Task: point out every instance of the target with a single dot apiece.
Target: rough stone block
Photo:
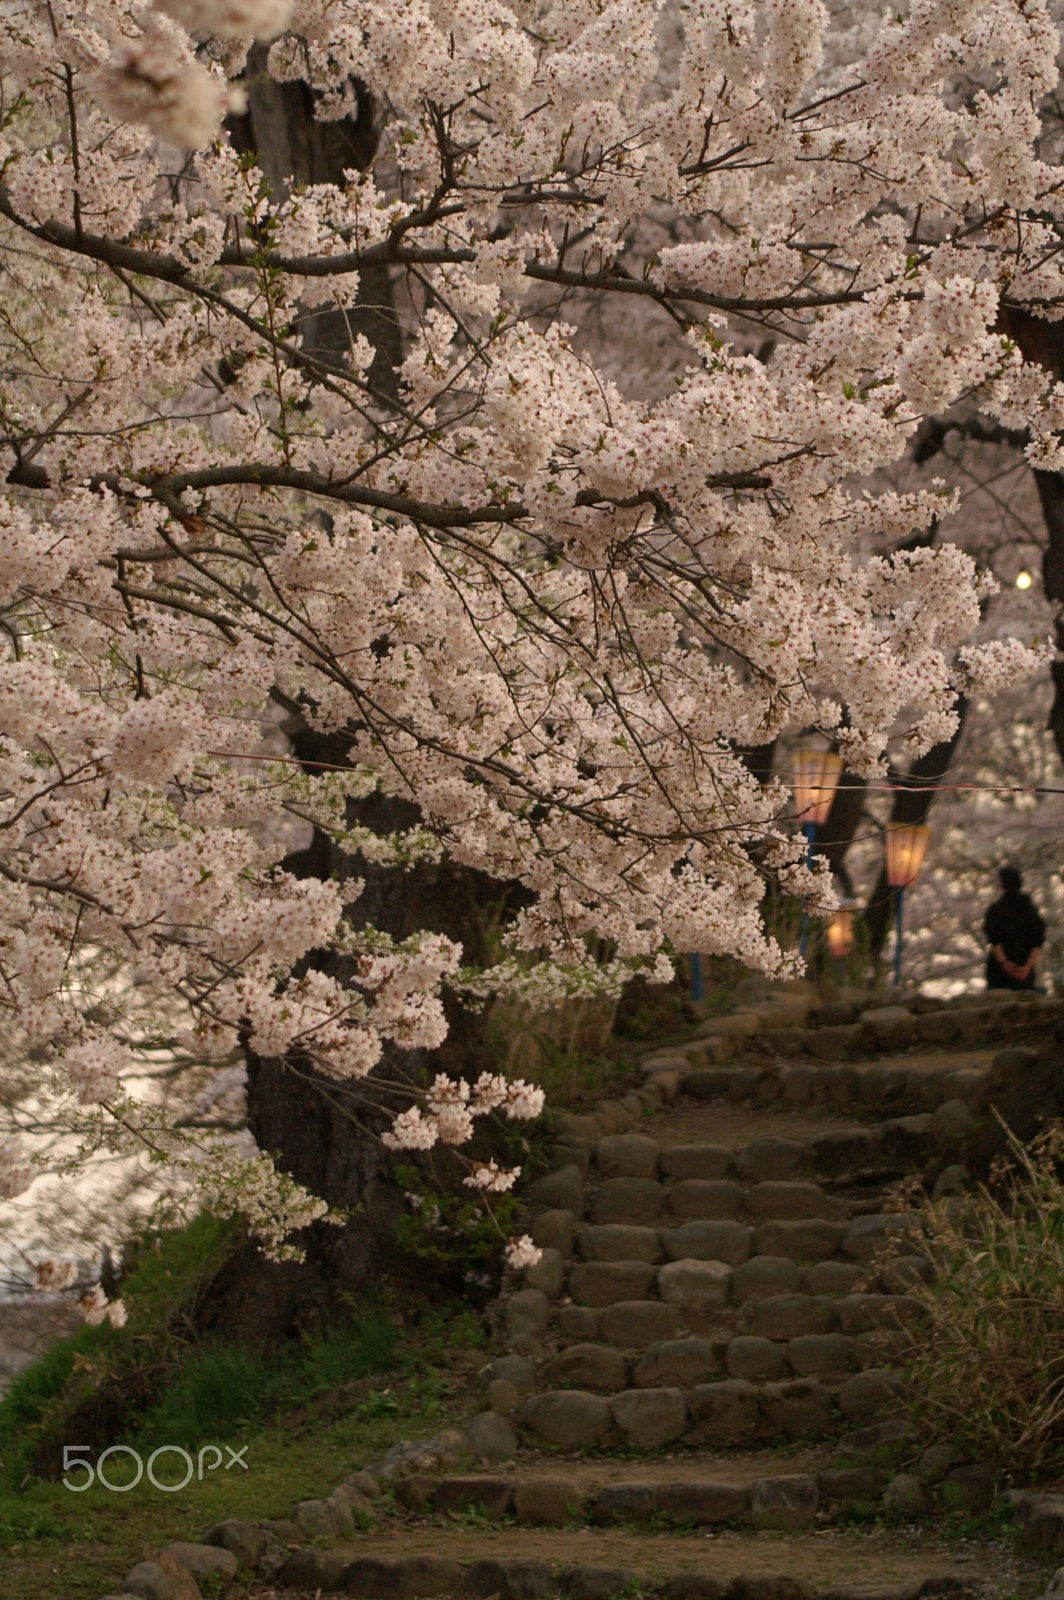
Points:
(798, 1085)
(820, 1355)
(844, 1150)
(577, 1323)
(649, 1418)
(789, 1316)
(694, 1286)
(899, 1276)
(861, 1313)
(569, 1419)
(597, 1367)
(846, 1485)
(789, 1201)
(724, 1413)
(765, 1276)
(811, 1239)
(628, 1155)
(314, 1570)
(870, 1394)
(769, 1586)
(831, 1277)
(527, 1311)
(407, 1578)
(492, 1497)
(624, 1502)
(599, 1583)
(603, 1283)
(242, 1539)
(547, 1274)
(786, 1503)
(163, 1578)
(693, 1586)
(870, 1235)
(708, 1241)
(203, 1560)
(701, 1200)
(517, 1370)
(707, 1162)
(797, 1406)
(511, 1580)
(833, 1044)
(618, 1242)
(755, 1358)
(631, 1201)
(490, 1438)
(971, 1489)
(548, 1502)
(769, 1159)
(634, 1324)
(905, 1496)
(678, 1363)
(704, 1503)
(562, 1190)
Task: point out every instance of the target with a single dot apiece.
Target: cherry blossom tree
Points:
(546, 604)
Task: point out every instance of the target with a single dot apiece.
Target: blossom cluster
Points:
(522, 583)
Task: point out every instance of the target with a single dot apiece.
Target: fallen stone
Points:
(203, 1560)
(701, 1200)
(788, 1316)
(554, 1230)
(708, 1241)
(869, 1394)
(242, 1539)
(407, 1578)
(568, 1418)
(620, 1242)
(562, 1190)
(750, 1356)
(624, 1502)
(527, 1312)
(785, 1503)
(492, 1497)
(790, 1202)
(628, 1155)
(724, 1413)
(491, 1437)
(677, 1363)
(320, 1519)
(548, 1502)
(797, 1406)
(601, 1368)
(765, 1276)
(649, 1418)
(315, 1570)
(694, 1286)
(634, 1324)
(807, 1239)
(511, 1580)
(632, 1201)
(361, 1483)
(905, 1496)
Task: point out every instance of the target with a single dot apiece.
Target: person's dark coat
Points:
(1014, 923)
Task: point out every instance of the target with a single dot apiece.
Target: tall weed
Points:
(987, 1362)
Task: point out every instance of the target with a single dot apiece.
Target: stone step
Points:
(684, 1362)
(724, 1413)
(638, 1251)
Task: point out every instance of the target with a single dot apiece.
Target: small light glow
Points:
(1024, 580)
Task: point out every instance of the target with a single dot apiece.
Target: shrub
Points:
(987, 1364)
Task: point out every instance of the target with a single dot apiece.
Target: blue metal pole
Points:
(897, 939)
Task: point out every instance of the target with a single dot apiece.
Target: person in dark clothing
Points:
(1015, 933)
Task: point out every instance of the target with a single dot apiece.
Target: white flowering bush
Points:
(545, 604)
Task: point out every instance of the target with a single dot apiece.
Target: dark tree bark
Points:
(327, 1134)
